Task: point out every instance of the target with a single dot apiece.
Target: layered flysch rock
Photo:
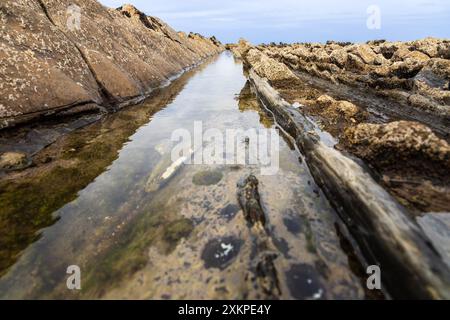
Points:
(63, 57)
(412, 158)
(415, 73)
(408, 185)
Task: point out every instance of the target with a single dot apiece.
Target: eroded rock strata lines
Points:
(116, 56)
(312, 114)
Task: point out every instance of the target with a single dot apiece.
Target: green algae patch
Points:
(130, 254)
(29, 199)
(28, 203)
(28, 206)
(177, 230)
(207, 177)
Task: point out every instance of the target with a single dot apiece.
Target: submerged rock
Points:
(220, 253)
(250, 202)
(207, 177)
(304, 283)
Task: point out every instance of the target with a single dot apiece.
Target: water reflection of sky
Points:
(301, 20)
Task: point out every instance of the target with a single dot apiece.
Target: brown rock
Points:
(12, 160)
(340, 110)
(398, 141)
(325, 100)
(268, 68)
(339, 57)
(241, 49)
(365, 53)
(414, 162)
(428, 46)
(401, 53)
(417, 56)
(49, 66)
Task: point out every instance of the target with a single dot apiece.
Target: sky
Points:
(265, 21)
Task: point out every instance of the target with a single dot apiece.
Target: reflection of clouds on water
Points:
(294, 20)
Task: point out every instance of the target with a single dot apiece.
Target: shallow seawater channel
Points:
(91, 200)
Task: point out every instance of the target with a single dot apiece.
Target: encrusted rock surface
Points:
(382, 228)
(400, 140)
(12, 160)
(50, 65)
(415, 163)
(415, 73)
(412, 161)
(268, 68)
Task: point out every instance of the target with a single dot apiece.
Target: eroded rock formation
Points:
(415, 73)
(339, 92)
(415, 163)
(52, 65)
(329, 117)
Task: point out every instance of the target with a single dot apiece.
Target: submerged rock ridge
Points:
(63, 57)
(383, 172)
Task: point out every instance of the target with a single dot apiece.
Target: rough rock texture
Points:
(415, 163)
(401, 140)
(241, 49)
(12, 160)
(415, 73)
(48, 66)
(268, 68)
(381, 227)
(411, 159)
(336, 115)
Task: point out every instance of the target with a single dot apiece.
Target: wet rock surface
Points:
(249, 200)
(437, 228)
(114, 56)
(64, 164)
(207, 178)
(229, 212)
(219, 253)
(303, 282)
(380, 225)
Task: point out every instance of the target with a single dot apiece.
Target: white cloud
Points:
(263, 20)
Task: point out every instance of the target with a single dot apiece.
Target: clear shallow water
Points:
(188, 237)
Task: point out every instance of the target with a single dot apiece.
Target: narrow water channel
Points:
(93, 194)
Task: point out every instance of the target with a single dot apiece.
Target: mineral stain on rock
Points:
(229, 212)
(294, 226)
(220, 253)
(303, 282)
(207, 177)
